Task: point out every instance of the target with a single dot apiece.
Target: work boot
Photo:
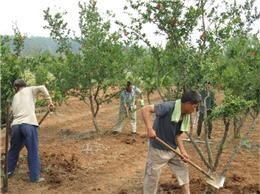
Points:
(134, 136)
(115, 132)
(10, 174)
(39, 180)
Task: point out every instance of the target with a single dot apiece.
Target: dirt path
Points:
(107, 164)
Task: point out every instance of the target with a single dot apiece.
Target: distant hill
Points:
(34, 45)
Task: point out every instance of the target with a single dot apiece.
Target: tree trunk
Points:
(222, 143)
(202, 157)
(237, 134)
(95, 124)
(237, 147)
(94, 113)
(148, 97)
(206, 131)
(160, 94)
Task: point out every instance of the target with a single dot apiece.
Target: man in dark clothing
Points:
(206, 106)
(172, 119)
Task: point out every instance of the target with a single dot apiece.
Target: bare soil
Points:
(75, 160)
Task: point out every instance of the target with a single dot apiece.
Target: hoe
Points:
(213, 180)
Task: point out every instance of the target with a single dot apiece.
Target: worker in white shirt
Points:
(25, 127)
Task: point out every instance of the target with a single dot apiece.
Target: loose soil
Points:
(76, 160)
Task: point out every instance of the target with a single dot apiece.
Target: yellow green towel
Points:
(176, 115)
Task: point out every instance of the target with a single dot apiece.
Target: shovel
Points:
(215, 181)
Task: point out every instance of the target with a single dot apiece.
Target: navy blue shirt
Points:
(165, 129)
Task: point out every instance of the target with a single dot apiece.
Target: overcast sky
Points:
(28, 15)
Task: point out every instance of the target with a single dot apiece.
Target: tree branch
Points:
(199, 151)
(110, 97)
(222, 143)
(237, 147)
(206, 131)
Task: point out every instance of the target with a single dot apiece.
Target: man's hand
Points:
(142, 103)
(127, 113)
(185, 157)
(151, 133)
(51, 106)
(126, 110)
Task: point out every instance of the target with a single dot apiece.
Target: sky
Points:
(28, 16)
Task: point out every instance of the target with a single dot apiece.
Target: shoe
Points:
(39, 180)
(10, 174)
(115, 132)
(133, 135)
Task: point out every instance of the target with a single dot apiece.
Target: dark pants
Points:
(27, 135)
(200, 122)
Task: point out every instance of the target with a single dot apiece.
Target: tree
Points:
(229, 63)
(176, 21)
(10, 62)
(90, 73)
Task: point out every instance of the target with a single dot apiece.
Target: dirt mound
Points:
(169, 188)
(197, 185)
(59, 167)
(237, 188)
(237, 178)
(123, 191)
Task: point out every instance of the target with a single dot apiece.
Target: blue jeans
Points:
(25, 134)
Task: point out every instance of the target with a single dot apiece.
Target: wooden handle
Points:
(44, 116)
(180, 155)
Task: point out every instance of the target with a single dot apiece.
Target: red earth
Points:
(75, 160)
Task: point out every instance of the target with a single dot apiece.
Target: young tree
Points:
(230, 64)
(98, 65)
(10, 62)
(170, 65)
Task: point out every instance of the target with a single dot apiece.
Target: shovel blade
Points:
(216, 181)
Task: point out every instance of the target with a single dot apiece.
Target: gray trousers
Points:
(155, 161)
(122, 117)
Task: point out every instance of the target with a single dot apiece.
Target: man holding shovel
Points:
(128, 107)
(25, 127)
(172, 119)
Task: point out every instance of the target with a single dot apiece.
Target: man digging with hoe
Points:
(25, 128)
(172, 119)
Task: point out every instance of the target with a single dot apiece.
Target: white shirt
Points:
(128, 98)
(23, 105)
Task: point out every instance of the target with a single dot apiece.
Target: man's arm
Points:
(43, 89)
(179, 140)
(146, 113)
(139, 92)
